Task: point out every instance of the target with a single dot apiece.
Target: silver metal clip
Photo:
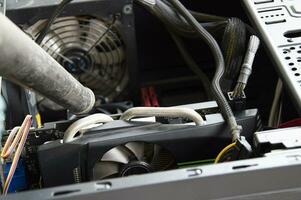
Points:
(3, 6)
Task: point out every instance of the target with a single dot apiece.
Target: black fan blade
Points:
(118, 154)
(105, 170)
(137, 148)
(162, 159)
(156, 152)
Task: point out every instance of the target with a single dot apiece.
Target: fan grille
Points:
(100, 67)
(133, 158)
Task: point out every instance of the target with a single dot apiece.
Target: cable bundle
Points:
(233, 45)
(182, 22)
(15, 144)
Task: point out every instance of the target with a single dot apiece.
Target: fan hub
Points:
(81, 62)
(135, 168)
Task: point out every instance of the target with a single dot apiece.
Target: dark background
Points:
(159, 60)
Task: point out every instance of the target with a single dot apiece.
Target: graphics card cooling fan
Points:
(90, 49)
(131, 159)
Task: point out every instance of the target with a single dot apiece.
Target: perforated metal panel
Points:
(279, 24)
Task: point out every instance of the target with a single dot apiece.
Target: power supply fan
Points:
(131, 159)
(90, 49)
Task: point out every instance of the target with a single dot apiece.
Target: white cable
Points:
(246, 68)
(278, 120)
(84, 122)
(163, 112)
(275, 104)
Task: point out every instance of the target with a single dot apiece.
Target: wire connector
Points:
(244, 148)
(237, 103)
(240, 149)
(246, 68)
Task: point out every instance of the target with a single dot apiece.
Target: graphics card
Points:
(123, 148)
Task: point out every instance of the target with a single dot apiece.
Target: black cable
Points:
(233, 46)
(220, 67)
(101, 110)
(203, 17)
(192, 64)
(200, 17)
(59, 9)
(102, 35)
(114, 107)
(171, 19)
(166, 13)
(175, 22)
(233, 41)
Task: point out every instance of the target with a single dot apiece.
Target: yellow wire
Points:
(39, 120)
(217, 159)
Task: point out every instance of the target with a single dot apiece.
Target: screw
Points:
(128, 9)
(104, 186)
(194, 172)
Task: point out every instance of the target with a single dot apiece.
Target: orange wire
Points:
(10, 146)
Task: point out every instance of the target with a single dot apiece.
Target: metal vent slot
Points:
(275, 22)
(269, 10)
(293, 34)
(273, 15)
(65, 192)
(263, 1)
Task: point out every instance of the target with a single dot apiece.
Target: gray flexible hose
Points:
(220, 67)
(163, 112)
(27, 64)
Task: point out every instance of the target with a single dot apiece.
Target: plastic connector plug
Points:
(246, 68)
(244, 148)
(241, 150)
(237, 103)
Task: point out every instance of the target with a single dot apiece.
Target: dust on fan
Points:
(91, 50)
(131, 159)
